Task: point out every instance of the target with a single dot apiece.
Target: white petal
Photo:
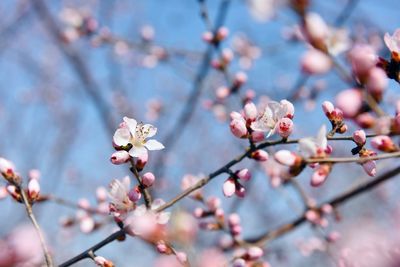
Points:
(121, 137)
(131, 123)
(307, 147)
(153, 145)
(163, 217)
(321, 141)
(137, 151)
(150, 130)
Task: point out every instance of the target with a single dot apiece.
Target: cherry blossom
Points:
(135, 134)
(120, 203)
(273, 113)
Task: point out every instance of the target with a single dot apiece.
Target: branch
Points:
(337, 201)
(29, 211)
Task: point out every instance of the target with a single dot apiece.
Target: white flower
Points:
(272, 114)
(120, 203)
(145, 222)
(310, 146)
(131, 132)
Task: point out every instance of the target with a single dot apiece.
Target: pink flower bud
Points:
(239, 79)
(142, 161)
(377, 81)
(7, 167)
(315, 62)
(333, 236)
(102, 262)
(222, 33)
(208, 37)
(320, 174)
(260, 155)
(222, 92)
(240, 190)
(236, 230)
(365, 120)
(227, 55)
(161, 247)
(33, 189)
(315, 27)
(229, 187)
(250, 111)
(244, 174)
(213, 203)
(148, 179)
(86, 224)
(198, 212)
(362, 58)
(289, 108)
(327, 107)
(233, 219)
(312, 216)
(101, 194)
(383, 143)
(120, 157)
(83, 203)
(285, 157)
(238, 128)
(134, 194)
(181, 257)
(285, 127)
(327, 208)
(254, 253)
(349, 101)
(370, 167)
(257, 136)
(359, 137)
(34, 174)
(239, 263)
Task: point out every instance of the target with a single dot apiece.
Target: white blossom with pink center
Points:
(131, 132)
(273, 113)
(120, 203)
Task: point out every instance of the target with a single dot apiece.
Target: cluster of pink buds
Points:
(78, 24)
(384, 143)
(217, 37)
(235, 227)
(364, 61)
(249, 257)
(335, 116)
(378, 142)
(165, 248)
(276, 118)
(233, 186)
(213, 210)
(318, 216)
(225, 59)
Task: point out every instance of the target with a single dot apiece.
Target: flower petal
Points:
(154, 145)
(131, 123)
(137, 151)
(322, 141)
(150, 130)
(121, 137)
(307, 147)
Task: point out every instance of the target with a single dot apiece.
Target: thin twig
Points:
(31, 216)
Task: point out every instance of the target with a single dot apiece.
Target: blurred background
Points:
(70, 70)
